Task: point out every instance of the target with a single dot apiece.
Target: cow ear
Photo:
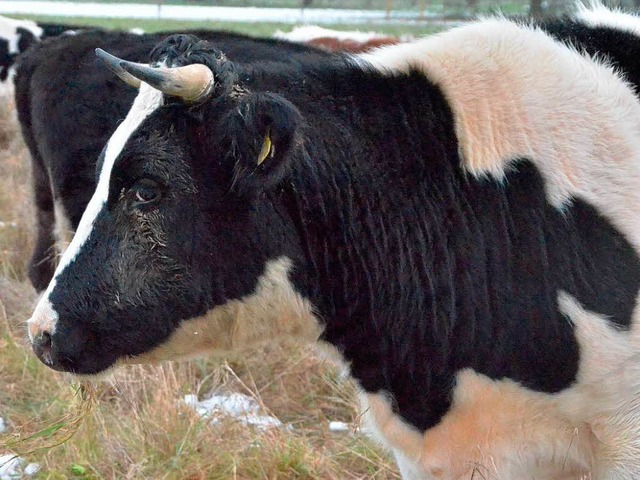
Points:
(264, 133)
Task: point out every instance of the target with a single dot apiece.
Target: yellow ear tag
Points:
(266, 149)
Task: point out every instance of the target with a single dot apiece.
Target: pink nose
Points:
(34, 329)
(42, 320)
(41, 327)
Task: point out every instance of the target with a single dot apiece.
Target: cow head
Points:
(15, 37)
(184, 246)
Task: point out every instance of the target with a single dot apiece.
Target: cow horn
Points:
(114, 65)
(192, 82)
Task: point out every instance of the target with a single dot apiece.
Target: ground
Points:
(137, 425)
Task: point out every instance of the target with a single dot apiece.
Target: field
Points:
(139, 426)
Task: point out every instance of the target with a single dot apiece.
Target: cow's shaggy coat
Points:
(457, 218)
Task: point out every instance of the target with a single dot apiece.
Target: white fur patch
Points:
(607, 393)
(147, 101)
(495, 429)
(597, 15)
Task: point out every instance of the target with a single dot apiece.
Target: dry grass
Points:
(139, 428)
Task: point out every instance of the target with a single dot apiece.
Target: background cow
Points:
(16, 36)
(456, 217)
(337, 40)
(68, 106)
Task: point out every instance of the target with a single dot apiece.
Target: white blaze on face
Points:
(147, 101)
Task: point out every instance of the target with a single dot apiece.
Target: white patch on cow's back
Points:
(517, 93)
(148, 100)
(274, 311)
(595, 14)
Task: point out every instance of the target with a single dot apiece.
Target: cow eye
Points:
(145, 191)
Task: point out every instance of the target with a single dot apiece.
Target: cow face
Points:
(181, 231)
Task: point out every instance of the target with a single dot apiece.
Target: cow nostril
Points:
(42, 347)
(42, 340)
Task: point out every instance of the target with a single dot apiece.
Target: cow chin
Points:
(84, 365)
(274, 311)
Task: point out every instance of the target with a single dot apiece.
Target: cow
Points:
(337, 40)
(455, 218)
(16, 36)
(68, 107)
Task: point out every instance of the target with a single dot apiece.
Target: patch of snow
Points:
(3, 426)
(31, 469)
(338, 427)
(234, 405)
(11, 467)
(8, 224)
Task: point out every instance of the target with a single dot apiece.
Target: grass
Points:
(254, 29)
(138, 427)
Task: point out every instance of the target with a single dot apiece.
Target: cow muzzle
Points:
(46, 340)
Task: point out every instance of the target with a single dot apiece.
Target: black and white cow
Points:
(457, 218)
(68, 105)
(17, 36)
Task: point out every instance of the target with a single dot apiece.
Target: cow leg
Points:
(43, 259)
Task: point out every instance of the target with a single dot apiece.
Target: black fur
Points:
(68, 105)
(6, 59)
(417, 269)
